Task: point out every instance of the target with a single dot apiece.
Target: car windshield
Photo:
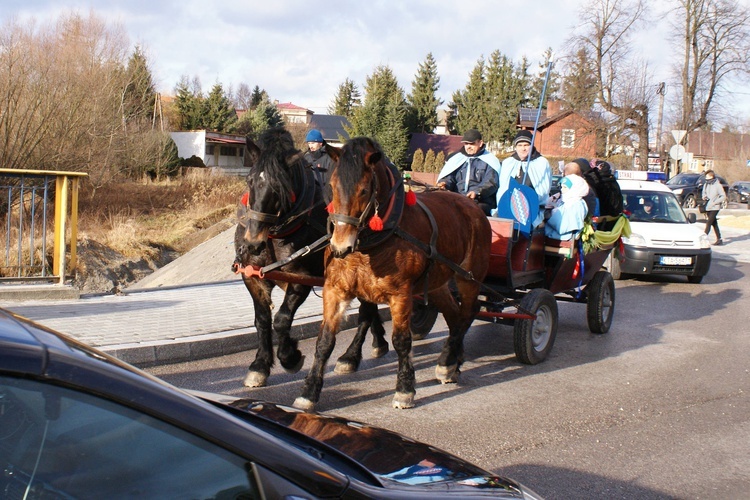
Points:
(653, 206)
(682, 180)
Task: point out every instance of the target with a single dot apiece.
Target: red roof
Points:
(290, 106)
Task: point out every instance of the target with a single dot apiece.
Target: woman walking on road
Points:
(714, 196)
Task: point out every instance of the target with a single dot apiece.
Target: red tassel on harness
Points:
(245, 198)
(376, 223)
(293, 197)
(577, 269)
(329, 208)
(411, 197)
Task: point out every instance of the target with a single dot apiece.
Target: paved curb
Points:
(160, 352)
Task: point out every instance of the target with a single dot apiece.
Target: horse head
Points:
(273, 163)
(354, 183)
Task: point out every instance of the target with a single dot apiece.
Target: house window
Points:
(228, 151)
(209, 150)
(568, 138)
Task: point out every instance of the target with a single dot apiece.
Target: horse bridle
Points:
(358, 222)
(283, 224)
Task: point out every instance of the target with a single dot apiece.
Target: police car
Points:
(664, 240)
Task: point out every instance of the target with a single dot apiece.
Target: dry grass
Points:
(138, 218)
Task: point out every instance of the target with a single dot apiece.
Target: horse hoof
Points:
(447, 374)
(304, 404)
(296, 367)
(418, 336)
(255, 379)
(344, 367)
(379, 352)
(403, 400)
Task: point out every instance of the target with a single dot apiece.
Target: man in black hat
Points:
(472, 171)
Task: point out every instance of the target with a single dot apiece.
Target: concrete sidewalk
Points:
(165, 325)
(172, 324)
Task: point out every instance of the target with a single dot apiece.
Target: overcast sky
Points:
(300, 51)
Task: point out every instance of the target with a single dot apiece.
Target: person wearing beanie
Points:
(319, 160)
(528, 167)
(472, 171)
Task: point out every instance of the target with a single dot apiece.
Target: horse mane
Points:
(276, 147)
(352, 161)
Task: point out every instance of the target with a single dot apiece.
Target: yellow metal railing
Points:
(30, 188)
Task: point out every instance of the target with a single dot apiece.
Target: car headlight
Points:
(703, 241)
(678, 191)
(635, 240)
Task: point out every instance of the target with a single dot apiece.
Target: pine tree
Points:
(468, 103)
(218, 114)
(579, 84)
(257, 97)
(382, 115)
(439, 162)
(188, 101)
(429, 161)
(417, 161)
(265, 115)
(423, 99)
(140, 93)
(553, 85)
(346, 100)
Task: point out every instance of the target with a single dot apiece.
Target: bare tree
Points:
(62, 94)
(713, 38)
(607, 26)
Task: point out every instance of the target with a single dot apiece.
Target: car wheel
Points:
(694, 279)
(600, 306)
(533, 338)
(614, 266)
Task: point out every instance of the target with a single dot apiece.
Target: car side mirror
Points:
(691, 218)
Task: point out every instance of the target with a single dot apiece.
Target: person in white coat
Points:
(529, 167)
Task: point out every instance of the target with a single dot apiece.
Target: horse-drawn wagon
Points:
(420, 255)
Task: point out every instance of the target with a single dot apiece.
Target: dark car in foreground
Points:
(739, 192)
(688, 188)
(77, 423)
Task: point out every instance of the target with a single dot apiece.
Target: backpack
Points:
(601, 179)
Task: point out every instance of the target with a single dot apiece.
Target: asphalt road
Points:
(656, 408)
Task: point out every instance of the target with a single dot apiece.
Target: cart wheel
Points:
(533, 338)
(422, 320)
(600, 307)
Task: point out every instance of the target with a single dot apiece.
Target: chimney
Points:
(553, 107)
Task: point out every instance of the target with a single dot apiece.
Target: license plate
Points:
(675, 261)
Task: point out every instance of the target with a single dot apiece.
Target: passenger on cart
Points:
(472, 172)
(528, 167)
(568, 217)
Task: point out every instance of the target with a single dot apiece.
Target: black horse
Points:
(282, 213)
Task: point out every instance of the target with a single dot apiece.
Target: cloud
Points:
(301, 51)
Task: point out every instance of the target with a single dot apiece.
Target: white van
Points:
(663, 239)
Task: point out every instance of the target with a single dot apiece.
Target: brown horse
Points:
(443, 238)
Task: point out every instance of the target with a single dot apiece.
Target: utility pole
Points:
(661, 90)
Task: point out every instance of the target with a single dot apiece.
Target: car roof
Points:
(636, 185)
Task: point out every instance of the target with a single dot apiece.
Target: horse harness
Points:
(285, 225)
